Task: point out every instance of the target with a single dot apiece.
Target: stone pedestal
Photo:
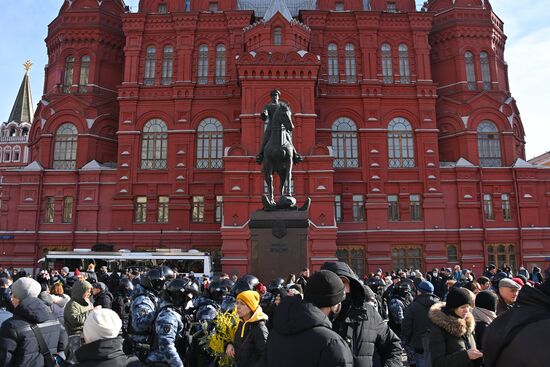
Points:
(279, 241)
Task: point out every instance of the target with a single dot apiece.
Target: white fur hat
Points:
(101, 324)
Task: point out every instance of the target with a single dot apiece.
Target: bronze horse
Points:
(278, 154)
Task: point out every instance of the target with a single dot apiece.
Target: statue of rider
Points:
(267, 115)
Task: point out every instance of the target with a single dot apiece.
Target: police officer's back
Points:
(170, 328)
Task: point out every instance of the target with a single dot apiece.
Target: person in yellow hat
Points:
(251, 336)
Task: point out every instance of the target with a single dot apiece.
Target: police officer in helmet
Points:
(170, 339)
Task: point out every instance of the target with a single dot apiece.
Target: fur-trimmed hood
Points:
(453, 325)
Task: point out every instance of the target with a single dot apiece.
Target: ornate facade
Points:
(413, 144)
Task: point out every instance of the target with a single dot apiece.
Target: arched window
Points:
(209, 144)
(150, 65)
(203, 65)
(13, 131)
(485, 70)
(64, 156)
(400, 144)
(154, 145)
(277, 36)
(404, 72)
(220, 64)
(7, 154)
(84, 74)
(332, 63)
(351, 73)
(16, 156)
(344, 143)
(488, 145)
(167, 65)
(25, 131)
(68, 74)
(387, 77)
(470, 70)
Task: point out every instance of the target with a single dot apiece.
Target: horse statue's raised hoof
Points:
(268, 204)
(305, 207)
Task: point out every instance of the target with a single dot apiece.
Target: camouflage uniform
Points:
(142, 316)
(169, 334)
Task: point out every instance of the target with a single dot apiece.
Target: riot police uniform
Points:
(170, 339)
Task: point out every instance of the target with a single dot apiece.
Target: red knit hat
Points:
(76, 272)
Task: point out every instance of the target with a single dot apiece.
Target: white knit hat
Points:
(25, 287)
(102, 323)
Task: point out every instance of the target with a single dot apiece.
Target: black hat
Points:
(324, 289)
(487, 300)
(458, 297)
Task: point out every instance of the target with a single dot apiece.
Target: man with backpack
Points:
(33, 336)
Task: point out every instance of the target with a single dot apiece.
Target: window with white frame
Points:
(485, 70)
(488, 145)
(197, 209)
(150, 65)
(358, 208)
(154, 145)
(277, 36)
(209, 144)
(338, 207)
(400, 144)
(488, 207)
(68, 74)
(351, 73)
(140, 209)
(16, 154)
(393, 208)
(220, 64)
(404, 72)
(65, 147)
(506, 207)
(162, 212)
(219, 209)
(203, 65)
(84, 74)
(167, 65)
(344, 143)
(415, 207)
(470, 70)
(332, 58)
(7, 154)
(387, 76)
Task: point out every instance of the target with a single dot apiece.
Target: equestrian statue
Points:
(277, 153)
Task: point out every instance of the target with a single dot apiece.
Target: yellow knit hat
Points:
(250, 298)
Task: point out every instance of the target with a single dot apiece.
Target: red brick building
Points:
(146, 134)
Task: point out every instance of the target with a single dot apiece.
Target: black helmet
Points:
(498, 277)
(276, 284)
(375, 284)
(403, 289)
(125, 286)
(181, 291)
(228, 303)
(206, 312)
(154, 280)
(167, 272)
(245, 283)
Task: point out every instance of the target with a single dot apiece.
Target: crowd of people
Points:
(446, 317)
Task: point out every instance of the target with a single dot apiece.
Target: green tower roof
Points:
(22, 110)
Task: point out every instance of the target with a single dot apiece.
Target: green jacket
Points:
(77, 308)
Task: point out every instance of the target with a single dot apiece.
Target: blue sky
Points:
(24, 28)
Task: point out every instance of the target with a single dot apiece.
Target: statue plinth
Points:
(278, 243)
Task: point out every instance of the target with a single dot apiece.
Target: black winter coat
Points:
(371, 340)
(105, 353)
(416, 322)
(450, 339)
(104, 299)
(529, 346)
(302, 337)
(250, 348)
(18, 345)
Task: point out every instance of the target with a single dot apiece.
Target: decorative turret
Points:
(22, 110)
(476, 115)
(14, 133)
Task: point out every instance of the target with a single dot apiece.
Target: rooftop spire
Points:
(277, 6)
(22, 110)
